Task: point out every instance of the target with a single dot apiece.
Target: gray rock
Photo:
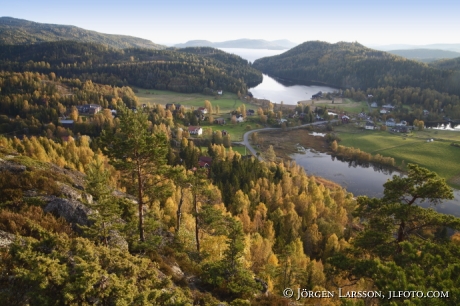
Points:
(72, 211)
(69, 192)
(6, 165)
(117, 241)
(177, 271)
(6, 239)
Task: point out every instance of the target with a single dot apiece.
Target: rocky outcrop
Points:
(6, 165)
(74, 194)
(71, 210)
(117, 241)
(6, 239)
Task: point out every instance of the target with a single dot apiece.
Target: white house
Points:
(282, 120)
(369, 126)
(384, 111)
(388, 106)
(195, 130)
(374, 105)
(219, 92)
(203, 110)
(390, 122)
(239, 118)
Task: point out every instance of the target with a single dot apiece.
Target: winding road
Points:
(246, 143)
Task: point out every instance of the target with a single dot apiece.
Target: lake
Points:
(360, 180)
(276, 90)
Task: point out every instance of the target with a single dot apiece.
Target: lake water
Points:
(447, 127)
(360, 180)
(275, 90)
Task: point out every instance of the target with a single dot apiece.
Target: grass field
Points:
(227, 102)
(236, 130)
(239, 149)
(346, 105)
(438, 156)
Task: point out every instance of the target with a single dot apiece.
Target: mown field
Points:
(339, 105)
(438, 156)
(227, 102)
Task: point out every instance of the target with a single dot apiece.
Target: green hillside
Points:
(189, 70)
(18, 31)
(348, 65)
(450, 64)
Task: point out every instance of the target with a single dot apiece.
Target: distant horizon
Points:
(176, 21)
(172, 44)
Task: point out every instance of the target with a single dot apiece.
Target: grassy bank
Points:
(438, 156)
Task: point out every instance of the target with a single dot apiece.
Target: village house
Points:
(220, 92)
(239, 118)
(205, 162)
(195, 130)
(203, 110)
(388, 106)
(369, 126)
(390, 122)
(374, 105)
(170, 106)
(91, 108)
(400, 129)
(66, 123)
(219, 121)
(345, 118)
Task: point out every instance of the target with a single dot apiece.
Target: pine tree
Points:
(139, 155)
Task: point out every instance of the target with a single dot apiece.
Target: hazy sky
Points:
(174, 21)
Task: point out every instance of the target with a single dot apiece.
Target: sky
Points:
(371, 22)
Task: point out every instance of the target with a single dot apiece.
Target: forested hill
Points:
(18, 31)
(348, 65)
(188, 70)
(451, 64)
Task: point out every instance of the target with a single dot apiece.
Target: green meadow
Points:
(438, 156)
(227, 102)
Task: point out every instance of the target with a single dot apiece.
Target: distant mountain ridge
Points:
(15, 31)
(425, 55)
(447, 47)
(280, 44)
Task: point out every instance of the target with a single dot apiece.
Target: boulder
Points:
(72, 211)
(117, 241)
(6, 239)
(6, 165)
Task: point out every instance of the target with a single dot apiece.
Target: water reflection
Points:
(361, 178)
(276, 91)
(447, 127)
